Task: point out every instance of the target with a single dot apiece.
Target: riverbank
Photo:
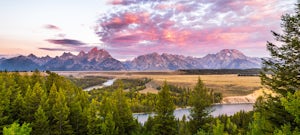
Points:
(250, 98)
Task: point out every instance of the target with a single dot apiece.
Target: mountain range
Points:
(101, 60)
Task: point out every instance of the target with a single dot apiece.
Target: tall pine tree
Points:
(281, 73)
(40, 125)
(200, 101)
(93, 117)
(164, 121)
(124, 121)
(284, 67)
(61, 112)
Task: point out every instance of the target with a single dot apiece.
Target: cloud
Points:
(66, 42)
(52, 49)
(51, 27)
(69, 45)
(188, 26)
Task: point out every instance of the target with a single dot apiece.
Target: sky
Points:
(128, 28)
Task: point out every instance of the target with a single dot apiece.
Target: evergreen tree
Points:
(18, 108)
(108, 126)
(93, 117)
(60, 112)
(40, 125)
(78, 118)
(4, 105)
(32, 100)
(281, 73)
(284, 66)
(230, 127)
(15, 129)
(259, 125)
(109, 116)
(200, 101)
(124, 121)
(164, 121)
(183, 127)
(218, 129)
(292, 104)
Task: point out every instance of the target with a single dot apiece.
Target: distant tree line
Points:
(254, 71)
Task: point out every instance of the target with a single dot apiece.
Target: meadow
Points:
(227, 84)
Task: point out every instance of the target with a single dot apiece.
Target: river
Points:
(105, 84)
(228, 109)
(217, 110)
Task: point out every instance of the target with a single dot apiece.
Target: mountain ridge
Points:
(100, 59)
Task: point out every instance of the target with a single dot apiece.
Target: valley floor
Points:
(235, 89)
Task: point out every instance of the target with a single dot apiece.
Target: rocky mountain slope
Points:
(225, 59)
(101, 60)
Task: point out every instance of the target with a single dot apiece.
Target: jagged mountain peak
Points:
(151, 54)
(226, 55)
(81, 54)
(32, 56)
(67, 55)
(231, 53)
(98, 55)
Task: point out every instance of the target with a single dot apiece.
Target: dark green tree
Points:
(40, 126)
(284, 67)
(61, 112)
(93, 117)
(164, 120)
(281, 73)
(218, 129)
(4, 105)
(78, 112)
(183, 127)
(200, 101)
(259, 125)
(124, 120)
(18, 108)
(32, 100)
(109, 116)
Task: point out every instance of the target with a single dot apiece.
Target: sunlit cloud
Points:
(181, 25)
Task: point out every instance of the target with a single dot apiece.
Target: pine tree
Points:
(108, 126)
(183, 127)
(124, 121)
(93, 117)
(281, 73)
(18, 108)
(200, 101)
(32, 100)
(4, 105)
(15, 129)
(164, 121)
(258, 125)
(60, 112)
(109, 116)
(40, 125)
(284, 66)
(218, 129)
(77, 118)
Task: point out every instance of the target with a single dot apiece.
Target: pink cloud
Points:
(182, 26)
